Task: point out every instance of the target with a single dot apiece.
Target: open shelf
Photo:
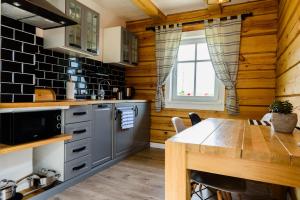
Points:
(5, 149)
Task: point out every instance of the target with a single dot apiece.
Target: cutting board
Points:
(44, 94)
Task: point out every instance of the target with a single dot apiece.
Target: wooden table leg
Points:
(177, 177)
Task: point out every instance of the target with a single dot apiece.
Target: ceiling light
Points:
(16, 4)
(211, 2)
(62, 22)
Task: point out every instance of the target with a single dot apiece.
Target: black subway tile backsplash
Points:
(29, 28)
(24, 58)
(51, 60)
(28, 89)
(7, 32)
(6, 98)
(11, 44)
(39, 41)
(11, 66)
(11, 88)
(44, 83)
(45, 66)
(6, 54)
(29, 69)
(26, 65)
(6, 77)
(23, 98)
(25, 37)
(11, 22)
(23, 78)
(29, 48)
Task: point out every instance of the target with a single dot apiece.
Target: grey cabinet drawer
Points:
(77, 149)
(77, 167)
(79, 130)
(78, 114)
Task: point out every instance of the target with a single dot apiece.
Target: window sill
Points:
(215, 106)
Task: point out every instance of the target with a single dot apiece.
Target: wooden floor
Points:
(139, 177)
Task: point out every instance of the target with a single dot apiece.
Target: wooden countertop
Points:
(64, 103)
(4, 149)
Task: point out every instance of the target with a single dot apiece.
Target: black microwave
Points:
(23, 127)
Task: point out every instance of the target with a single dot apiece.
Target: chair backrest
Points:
(194, 118)
(178, 124)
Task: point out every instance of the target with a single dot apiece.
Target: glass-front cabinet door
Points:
(134, 49)
(74, 33)
(125, 46)
(92, 30)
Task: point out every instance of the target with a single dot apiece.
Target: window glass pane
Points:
(205, 79)
(185, 79)
(186, 52)
(202, 52)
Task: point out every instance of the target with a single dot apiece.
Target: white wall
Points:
(14, 166)
(107, 19)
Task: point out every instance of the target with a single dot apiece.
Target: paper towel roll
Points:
(70, 90)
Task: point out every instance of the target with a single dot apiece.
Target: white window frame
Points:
(215, 102)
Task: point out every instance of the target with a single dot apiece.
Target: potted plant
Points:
(283, 120)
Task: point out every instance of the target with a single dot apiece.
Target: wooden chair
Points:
(224, 185)
(195, 119)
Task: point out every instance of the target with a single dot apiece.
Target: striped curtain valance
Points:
(167, 40)
(223, 40)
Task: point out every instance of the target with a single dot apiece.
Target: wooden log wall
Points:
(288, 55)
(256, 76)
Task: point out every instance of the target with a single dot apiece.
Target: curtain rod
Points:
(244, 16)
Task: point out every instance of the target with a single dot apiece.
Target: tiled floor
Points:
(141, 177)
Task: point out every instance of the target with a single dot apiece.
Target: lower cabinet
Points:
(102, 137)
(142, 125)
(78, 157)
(78, 166)
(124, 138)
(98, 137)
(127, 140)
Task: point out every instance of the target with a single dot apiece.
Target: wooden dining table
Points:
(233, 148)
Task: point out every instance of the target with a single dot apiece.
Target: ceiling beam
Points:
(150, 9)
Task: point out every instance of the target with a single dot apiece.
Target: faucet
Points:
(101, 92)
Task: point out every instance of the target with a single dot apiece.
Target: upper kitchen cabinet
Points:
(120, 47)
(81, 39)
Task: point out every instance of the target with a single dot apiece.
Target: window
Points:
(193, 83)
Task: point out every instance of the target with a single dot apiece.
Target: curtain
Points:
(167, 42)
(223, 40)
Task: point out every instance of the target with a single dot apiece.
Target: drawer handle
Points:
(79, 113)
(79, 150)
(79, 131)
(79, 167)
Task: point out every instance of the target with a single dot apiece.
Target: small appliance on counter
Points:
(129, 92)
(23, 127)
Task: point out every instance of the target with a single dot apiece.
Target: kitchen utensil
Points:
(44, 178)
(18, 196)
(44, 94)
(119, 95)
(129, 92)
(47, 177)
(7, 189)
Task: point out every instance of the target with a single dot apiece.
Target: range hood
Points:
(39, 13)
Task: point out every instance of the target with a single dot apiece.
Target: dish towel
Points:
(127, 117)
